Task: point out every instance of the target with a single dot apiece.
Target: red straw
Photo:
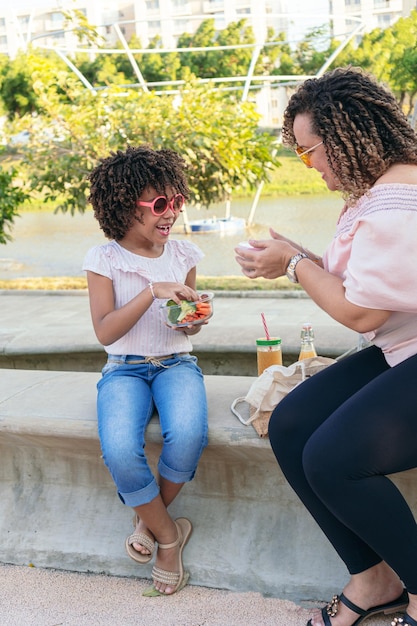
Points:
(265, 326)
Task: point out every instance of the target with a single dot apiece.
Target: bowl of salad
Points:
(188, 313)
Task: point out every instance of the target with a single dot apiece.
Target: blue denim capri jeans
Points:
(128, 393)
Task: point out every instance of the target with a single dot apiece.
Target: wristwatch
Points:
(291, 275)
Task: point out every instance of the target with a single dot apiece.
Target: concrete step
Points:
(53, 331)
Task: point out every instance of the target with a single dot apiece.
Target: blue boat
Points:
(221, 224)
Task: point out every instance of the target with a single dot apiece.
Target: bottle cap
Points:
(307, 329)
(272, 341)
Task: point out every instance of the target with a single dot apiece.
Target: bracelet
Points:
(150, 285)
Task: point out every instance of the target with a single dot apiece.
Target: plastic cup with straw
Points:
(268, 349)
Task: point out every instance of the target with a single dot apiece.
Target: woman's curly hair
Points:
(120, 179)
(362, 126)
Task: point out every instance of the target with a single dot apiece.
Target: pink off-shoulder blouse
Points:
(374, 251)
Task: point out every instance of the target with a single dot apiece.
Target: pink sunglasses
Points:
(160, 205)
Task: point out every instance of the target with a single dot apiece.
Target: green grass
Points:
(204, 283)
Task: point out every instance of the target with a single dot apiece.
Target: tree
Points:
(403, 58)
(311, 53)
(217, 63)
(272, 54)
(224, 150)
(18, 76)
(200, 64)
(158, 67)
(85, 32)
(11, 197)
(122, 61)
(285, 62)
(235, 62)
(390, 55)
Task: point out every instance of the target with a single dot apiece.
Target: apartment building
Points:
(373, 13)
(42, 21)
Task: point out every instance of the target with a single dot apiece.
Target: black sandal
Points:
(406, 620)
(391, 607)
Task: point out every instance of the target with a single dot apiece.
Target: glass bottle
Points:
(307, 348)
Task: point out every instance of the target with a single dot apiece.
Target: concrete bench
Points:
(59, 507)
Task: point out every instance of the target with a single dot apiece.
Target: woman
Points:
(338, 435)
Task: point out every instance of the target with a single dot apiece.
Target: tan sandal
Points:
(178, 580)
(144, 541)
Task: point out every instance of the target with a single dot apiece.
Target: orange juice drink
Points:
(307, 354)
(268, 352)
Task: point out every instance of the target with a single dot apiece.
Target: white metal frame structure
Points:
(251, 81)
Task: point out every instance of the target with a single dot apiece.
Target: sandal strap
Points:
(325, 617)
(333, 606)
(350, 605)
(404, 621)
(165, 577)
(165, 546)
(174, 544)
(143, 539)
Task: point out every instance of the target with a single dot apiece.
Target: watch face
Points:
(290, 272)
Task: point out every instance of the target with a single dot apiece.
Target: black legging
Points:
(336, 437)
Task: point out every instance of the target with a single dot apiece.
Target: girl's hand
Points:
(174, 291)
(193, 329)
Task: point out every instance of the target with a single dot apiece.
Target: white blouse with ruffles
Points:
(131, 274)
(375, 252)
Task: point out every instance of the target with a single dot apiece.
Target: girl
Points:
(137, 196)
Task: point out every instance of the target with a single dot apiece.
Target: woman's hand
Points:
(279, 237)
(317, 259)
(270, 260)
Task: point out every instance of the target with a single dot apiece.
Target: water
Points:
(47, 244)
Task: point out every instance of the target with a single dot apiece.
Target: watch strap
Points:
(291, 275)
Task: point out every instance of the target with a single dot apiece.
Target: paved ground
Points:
(35, 597)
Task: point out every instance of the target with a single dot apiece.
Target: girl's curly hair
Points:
(120, 179)
(362, 126)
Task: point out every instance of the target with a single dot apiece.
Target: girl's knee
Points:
(190, 435)
(188, 445)
(123, 457)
